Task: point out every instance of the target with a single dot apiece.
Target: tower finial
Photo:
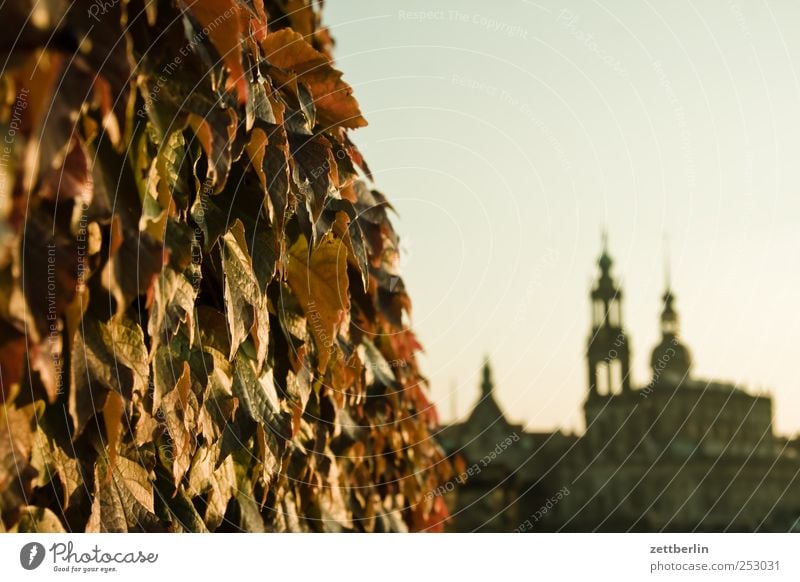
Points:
(669, 316)
(487, 385)
(605, 261)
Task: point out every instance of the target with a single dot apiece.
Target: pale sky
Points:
(508, 134)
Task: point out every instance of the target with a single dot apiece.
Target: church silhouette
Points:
(678, 454)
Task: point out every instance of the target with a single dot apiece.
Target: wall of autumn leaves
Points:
(202, 325)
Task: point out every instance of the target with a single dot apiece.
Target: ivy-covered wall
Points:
(202, 324)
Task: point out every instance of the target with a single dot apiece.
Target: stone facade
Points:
(679, 454)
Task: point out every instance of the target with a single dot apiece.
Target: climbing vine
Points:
(202, 322)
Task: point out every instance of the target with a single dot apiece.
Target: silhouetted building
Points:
(679, 454)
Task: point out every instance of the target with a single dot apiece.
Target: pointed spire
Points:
(669, 317)
(487, 385)
(487, 412)
(605, 260)
(670, 321)
(671, 360)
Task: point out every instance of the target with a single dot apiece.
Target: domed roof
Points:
(671, 361)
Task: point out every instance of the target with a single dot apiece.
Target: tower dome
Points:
(671, 360)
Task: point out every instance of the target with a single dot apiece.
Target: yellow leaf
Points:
(320, 284)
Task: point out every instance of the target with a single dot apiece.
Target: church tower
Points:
(671, 360)
(487, 411)
(608, 353)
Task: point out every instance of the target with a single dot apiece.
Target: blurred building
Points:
(679, 454)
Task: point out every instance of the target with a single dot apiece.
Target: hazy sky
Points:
(508, 134)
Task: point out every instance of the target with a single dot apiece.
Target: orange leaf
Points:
(255, 151)
(112, 416)
(287, 49)
(221, 20)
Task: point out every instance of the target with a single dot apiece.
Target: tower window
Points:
(602, 378)
(615, 373)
